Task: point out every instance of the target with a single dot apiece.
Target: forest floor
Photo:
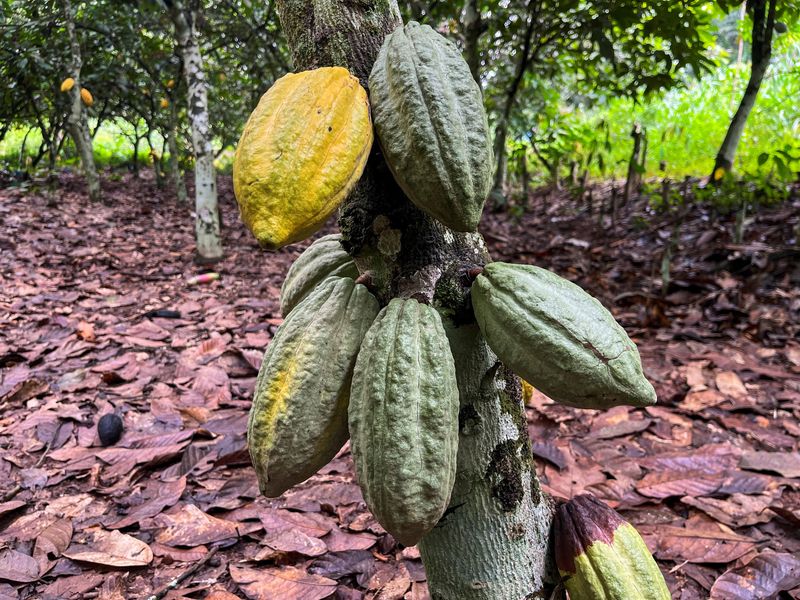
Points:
(710, 475)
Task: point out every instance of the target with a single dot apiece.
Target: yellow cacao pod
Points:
(302, 150)
(67, 84)
(164, 103)
(86, 96)
(171, 84)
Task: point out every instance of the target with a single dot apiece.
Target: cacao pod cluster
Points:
(341, 366)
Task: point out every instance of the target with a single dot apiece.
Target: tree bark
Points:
(763, 24)
(472, 29)
(77, 124)
(174, 158)
(207, 226)
(634, 176)
(492, 543)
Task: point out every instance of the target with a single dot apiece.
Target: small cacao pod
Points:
(170, 84)
(322, 259)
(603, 557)
(86, 96)
(404, 419)
(164, 103)
(302, 150)
(431, 124)
(298, 421)
(559, 338)
(67, 84)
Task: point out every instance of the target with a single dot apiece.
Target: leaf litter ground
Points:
(97, 315)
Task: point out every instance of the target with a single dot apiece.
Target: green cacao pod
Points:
(404, 419)
(603, 557)
(430, 120)
(559, 338)
(298, 421)
(322, 259)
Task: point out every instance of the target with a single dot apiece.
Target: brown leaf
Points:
(765, 576)
(72, 588)
(783, 463)
(339, 541)
(52, 542)
(18, 567)
(286, 582)
(277, 520)
(296, 541)
(190, 526)
(11, 506)
(697, 545)
(112, 549)
(739, 511)
(166, 495)
(729, 384)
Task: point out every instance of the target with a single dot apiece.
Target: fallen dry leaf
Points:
(18, 567)
(763, 577)
(112, 549)
(286, 582)
(783, 463)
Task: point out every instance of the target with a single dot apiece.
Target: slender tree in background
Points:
(77, 123)
(207, 227)
(762, 13)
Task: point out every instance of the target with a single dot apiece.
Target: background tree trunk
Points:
(174, 158)
(207, 227)
(472, 29)
(77, 123)
(497, 194)
(492, 543)
(763, 23)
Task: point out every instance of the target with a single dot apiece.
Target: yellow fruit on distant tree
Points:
(164, 103)
(171, 84)
(86, 96)
(302, 150)
(67, 84)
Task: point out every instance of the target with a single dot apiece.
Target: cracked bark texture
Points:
(207, 227)
(493, 541)
(77, 123)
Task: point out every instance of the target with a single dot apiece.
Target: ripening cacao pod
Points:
(559, 338)
(164, 103)
(67, 84)
(298, 421)
(431, 124)
(603, 557)
(86, 96)
(302, 150)
(404, 419)
(322, 259)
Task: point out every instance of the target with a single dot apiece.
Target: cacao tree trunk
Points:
(207, 226)
(77, 123)
(763, 23)
(492, 543)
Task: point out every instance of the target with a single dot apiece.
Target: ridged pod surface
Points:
(322, 259)
(559, 338)
(302, 150)
(431, 123)
(298, 421)
(404, 419)
(603, 557)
